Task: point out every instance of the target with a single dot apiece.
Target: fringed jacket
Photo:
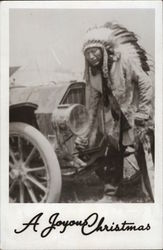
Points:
(127, 76)
(131, 87)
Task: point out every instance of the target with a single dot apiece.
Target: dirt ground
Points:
(91, 190)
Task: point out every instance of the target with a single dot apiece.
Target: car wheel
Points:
(34, 171)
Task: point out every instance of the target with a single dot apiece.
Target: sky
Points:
(54, 37)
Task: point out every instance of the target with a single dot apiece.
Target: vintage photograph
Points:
(81, 119)
(81, 105)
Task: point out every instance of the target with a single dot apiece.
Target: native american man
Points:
(117, 68)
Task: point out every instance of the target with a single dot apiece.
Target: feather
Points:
(122, 35)
(116, 39)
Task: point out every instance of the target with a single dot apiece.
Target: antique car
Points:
(44, 123)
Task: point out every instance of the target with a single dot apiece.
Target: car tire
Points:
(34, 168)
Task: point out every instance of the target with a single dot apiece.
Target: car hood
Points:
(45, 97)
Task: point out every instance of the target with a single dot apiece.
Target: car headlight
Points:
(72, 116)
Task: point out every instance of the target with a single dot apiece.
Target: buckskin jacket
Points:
(127, 77)
(132, 88)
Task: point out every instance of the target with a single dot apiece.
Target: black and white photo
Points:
(81, 125)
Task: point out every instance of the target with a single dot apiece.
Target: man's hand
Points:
(81, 142)
(140, 128)
(140, 133)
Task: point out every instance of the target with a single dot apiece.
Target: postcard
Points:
(81, 125)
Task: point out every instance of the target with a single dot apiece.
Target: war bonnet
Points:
(115, 39)
(98, 37)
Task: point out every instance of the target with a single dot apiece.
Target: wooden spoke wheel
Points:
(34, 171)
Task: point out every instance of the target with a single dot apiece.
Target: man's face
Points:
(93, 56)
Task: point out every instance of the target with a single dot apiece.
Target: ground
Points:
(91, 190)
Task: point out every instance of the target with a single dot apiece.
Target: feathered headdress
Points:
(120, 43)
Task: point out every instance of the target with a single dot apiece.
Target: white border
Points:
(83, 4)
(13, 214)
